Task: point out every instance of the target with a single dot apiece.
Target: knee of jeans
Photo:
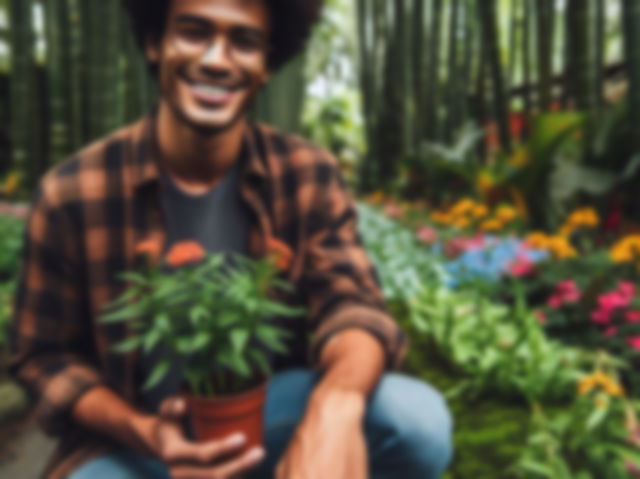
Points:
(411, 420)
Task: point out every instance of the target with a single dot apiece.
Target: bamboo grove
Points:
(428, 67)
(85, 78)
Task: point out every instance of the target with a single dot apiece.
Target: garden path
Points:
(24, 450)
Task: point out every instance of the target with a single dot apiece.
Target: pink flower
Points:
(610, 331)
(541, 317)
(613, 300)
(601, 316)
(626, 290)
(427, 235)
(457, 246)
(392, 210)
(632, 316)
(634, 342)
(565, 292)
(521, 267)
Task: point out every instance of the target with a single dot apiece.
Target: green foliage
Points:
(513, 391)
(212, 318)
(7, 290)
(11, 230)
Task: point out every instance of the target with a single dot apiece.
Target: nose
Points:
(217, 56)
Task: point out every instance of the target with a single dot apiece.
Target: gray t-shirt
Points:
(219, 221)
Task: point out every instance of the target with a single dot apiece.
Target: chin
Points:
(208, 125)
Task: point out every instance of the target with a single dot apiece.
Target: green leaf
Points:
(128, 345)
(158, 374)
(239, 339)
(271, 337)
(260, 360)
(151, 340)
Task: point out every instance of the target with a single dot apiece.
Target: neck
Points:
(194, 158)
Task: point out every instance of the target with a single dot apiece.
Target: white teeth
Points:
(212, 90)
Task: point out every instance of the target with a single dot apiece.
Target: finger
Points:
(179, 449)
(228, 469)
(172, 408)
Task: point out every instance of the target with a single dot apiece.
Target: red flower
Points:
(522, 267)
(632, 316)
(279, 253)
(634, 342)
(392, 210)
(565, 292)
(610, 331)
(185, 252)
(427, 235)
(149, 249)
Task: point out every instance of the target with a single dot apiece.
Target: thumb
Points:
(173, 408)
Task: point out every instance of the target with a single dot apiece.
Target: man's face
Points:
(212, 59)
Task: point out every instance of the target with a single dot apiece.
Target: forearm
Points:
(352, 363)
(102, 410)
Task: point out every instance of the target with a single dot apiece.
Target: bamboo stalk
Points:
(432, 85)
(22, 86)
(631, 27)
(76, 74)
(56, 61)
(545, 33)
(526, 57)
(487, 13)
(453, 72)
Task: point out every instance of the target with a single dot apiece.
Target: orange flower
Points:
(150, 249)
(279, 253)
(185, 252)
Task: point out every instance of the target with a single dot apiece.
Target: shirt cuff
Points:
(59, 396)
(378, 323)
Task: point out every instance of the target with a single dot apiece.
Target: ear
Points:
(152, 50)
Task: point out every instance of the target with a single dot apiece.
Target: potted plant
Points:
(209, 315)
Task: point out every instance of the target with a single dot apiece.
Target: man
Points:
(196, 160)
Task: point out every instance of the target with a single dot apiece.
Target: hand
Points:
(329, 442)
(189, 460)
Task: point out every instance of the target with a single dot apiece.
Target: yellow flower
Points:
(626, 250)
(587, 217)
(461, 222)
(601, 381)
(441, 218)
(376, 197)
(585, 385)
(561, 247)
(484, 183)
(566, 229)
(538, 239)
(463, 206)
(520, 158)
(11, 184)
(506, 213)
(479, 211)
(491, 224)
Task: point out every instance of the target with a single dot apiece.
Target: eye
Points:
(193, 34)
(248, 42)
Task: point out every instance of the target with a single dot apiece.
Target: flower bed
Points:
(478, 307)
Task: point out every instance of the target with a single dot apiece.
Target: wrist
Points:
(346, 403)
(144, 429)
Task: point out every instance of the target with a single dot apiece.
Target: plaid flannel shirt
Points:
(85, 222)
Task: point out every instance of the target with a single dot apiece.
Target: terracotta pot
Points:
(219, 417)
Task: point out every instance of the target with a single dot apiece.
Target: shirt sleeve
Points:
(339, 280)
(50, 327)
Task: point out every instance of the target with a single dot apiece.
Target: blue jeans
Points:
(407, 425)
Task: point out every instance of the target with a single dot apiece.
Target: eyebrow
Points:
(188, 18)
